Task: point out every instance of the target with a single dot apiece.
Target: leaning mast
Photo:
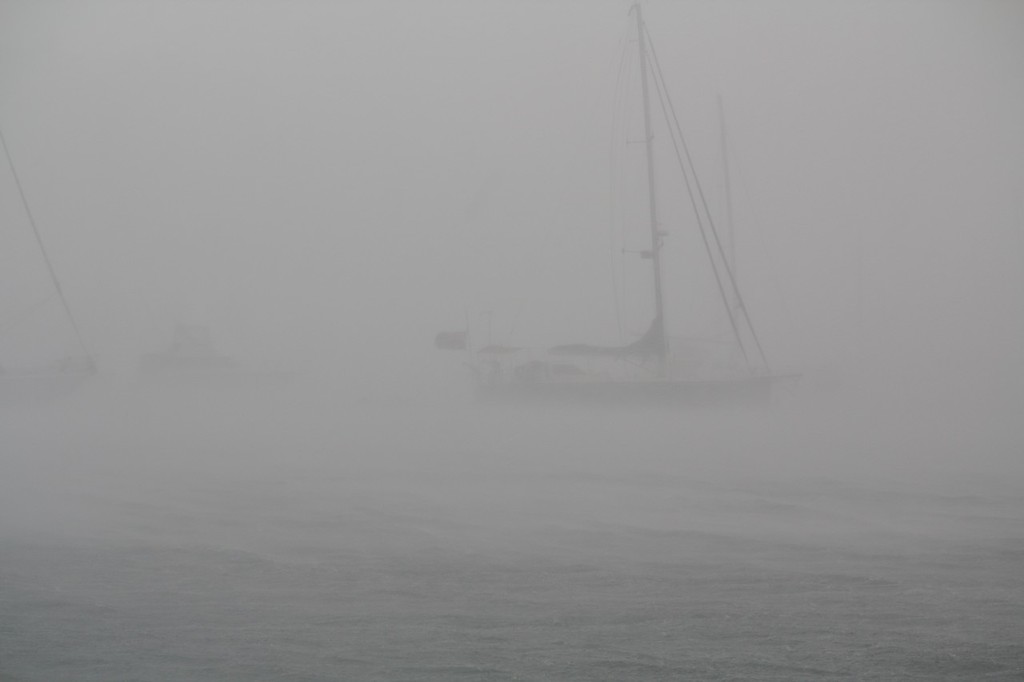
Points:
(42, 249)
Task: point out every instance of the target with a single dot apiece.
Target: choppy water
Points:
(171, 545)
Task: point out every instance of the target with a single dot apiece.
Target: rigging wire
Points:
(659, 88)
(700, 192)
(42, 247)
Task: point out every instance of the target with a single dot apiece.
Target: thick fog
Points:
(326, 186)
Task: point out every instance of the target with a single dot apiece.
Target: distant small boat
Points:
(191, 358)
(191, 351)
(657, 368)
(40, 384)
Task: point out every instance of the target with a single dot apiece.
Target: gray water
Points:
(209, 538)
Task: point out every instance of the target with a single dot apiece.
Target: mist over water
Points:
(198, 534)
(324, 187)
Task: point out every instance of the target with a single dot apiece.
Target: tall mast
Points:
(659, 308)
(730, 234)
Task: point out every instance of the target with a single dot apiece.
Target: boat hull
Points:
(711, 393)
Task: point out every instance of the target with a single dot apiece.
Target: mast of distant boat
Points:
(730, 243)
(656, 233)
(42, 250)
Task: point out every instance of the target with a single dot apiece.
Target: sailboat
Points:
(37, 384)
(656, 368)
(191, 351)
(191, 362)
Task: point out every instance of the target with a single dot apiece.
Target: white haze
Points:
(328, 185)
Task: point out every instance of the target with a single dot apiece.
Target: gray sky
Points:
(335, 182)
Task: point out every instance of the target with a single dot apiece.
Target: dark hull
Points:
(739, 392)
